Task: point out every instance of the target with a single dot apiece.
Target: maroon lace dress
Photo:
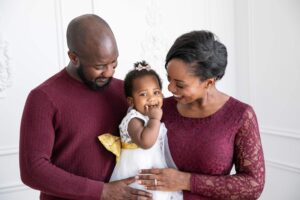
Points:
(209, 147)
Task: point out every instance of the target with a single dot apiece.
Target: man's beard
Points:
(91, 84)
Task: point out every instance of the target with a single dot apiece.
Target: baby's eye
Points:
(143, 94)
(157, 93)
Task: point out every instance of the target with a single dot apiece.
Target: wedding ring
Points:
(155, 182)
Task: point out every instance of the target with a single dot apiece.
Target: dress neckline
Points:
(214, 115)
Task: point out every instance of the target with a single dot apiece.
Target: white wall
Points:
(262, 37)
(33, 47)
(268, 69)
(146, 30)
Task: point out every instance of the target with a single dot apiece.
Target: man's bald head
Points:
(86, 32)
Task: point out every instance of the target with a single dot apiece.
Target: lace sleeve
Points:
(248, 182)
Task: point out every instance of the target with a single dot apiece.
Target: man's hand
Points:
(119, 190)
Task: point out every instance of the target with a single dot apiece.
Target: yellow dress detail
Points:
(113, 144)
(130, 158)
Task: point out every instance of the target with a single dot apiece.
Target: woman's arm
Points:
(247, 183)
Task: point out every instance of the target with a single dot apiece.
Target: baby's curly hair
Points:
(141, 69)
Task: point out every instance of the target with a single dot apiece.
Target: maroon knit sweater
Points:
(208, 147)
(59, 151)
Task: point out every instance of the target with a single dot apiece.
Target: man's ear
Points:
(130, 101)
(73, 57)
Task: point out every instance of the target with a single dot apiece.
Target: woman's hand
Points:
(167, 179)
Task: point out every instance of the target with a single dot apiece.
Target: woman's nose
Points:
(171, 87)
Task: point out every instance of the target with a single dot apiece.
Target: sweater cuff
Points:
(192, 183)
(95, 188)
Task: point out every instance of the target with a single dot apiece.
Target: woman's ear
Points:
(210, 82)
(130, 101)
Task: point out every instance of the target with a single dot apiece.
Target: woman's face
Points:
(185, 87)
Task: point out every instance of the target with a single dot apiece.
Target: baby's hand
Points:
(153, 112)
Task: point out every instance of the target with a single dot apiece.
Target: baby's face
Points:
(146, 93)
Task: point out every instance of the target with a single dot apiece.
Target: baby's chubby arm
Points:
(145, 136)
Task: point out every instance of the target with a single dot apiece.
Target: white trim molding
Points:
(280, 133)
(5, 67)
(283, 166)
(12, 188)
(251, 50)
(9, 150)
(153, 46)
(286, 134)
(93, 6)
(60, 34)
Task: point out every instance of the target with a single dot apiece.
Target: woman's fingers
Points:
(150, 171)
(158, 188)
(150, 182)
(152, 179)
(145, 177)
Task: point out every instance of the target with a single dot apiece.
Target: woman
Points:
(208, 131)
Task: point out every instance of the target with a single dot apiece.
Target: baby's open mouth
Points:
(151, 106)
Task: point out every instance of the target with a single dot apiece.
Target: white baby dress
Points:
(132, 160)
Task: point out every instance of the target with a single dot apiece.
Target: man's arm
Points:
(36, 143)
(37, 139)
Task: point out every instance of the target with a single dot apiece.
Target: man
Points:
(59, 151)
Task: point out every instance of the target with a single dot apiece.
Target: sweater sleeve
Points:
(37, 137)
(248, 182)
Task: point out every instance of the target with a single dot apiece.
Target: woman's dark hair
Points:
(140, 69)
(207, 56)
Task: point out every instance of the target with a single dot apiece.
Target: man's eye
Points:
(100, 67)
(115, 64)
